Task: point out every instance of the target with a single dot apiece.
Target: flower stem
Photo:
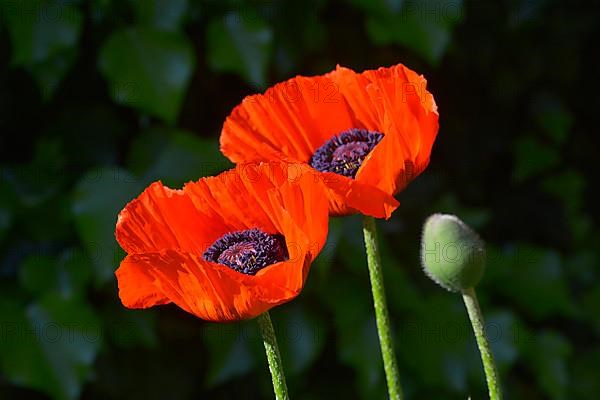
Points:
(381, 312)
(273, 356)
(476, 317)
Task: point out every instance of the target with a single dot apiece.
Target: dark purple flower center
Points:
(247, 251)
(344, 153)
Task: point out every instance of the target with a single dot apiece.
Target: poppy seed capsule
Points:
(452, 254)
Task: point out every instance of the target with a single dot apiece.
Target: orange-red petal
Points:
(162, 218)
(210, 291)
(349, 196)
(288, 122)
(137, 287)
(394, 101)
(166, 265)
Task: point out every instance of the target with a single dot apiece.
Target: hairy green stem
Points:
(273, 356)
(489, 365)
(381, 312)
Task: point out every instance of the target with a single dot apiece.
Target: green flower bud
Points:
(452, 254)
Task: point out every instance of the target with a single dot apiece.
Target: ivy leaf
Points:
(66, 275)
(148, 69)
(130, 328)
(50, 72)
(44, 35)
(39, 180)
(301, 337)
(425, 27)
(324, 262)
(552, 116)
(569, 186)
(505, 332)
(356, 332)
(164, 15)
(437, 334)
(532, 277)
(102, 193)
(379, 7)
(185, 157)
(584, 368)
(97, 200)
(532, 158)
(231, 354)
(548, 361)
(50, 345)
(240, 43)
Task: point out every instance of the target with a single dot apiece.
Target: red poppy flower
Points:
(223, 248)
(369, 134)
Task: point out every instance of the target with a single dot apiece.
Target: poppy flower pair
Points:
(233, 246)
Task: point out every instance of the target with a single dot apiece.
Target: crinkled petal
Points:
(394, 101)
(277, 198)
(409, 119)
(137, 287)
(210, 291)
(349, 196)
(288, 122)
(162, 218)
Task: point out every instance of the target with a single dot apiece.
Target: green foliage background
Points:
(98, 98)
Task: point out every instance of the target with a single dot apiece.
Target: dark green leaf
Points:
(97, 200)
(552, 116)
(531, 277)
(130, 328)
(164, 15)
(476, 217)
(533, 157)
(584, 371)
(379, 7)
(324, 262)
(41, 179)
(50, 72)
(300, 335)
(50, 345)
(148, 69)
(568, 186)
(298, 29)
(351, 248)
(240, 43)
(437, 335)
(505, 334)
(184, 158)
(44, 35)
(230, 351)
(548, 360)
(66, 275)
(351, 307)
(425, 27)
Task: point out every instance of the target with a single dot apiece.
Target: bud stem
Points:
(381, 312)
(489, 365)
(273, 356)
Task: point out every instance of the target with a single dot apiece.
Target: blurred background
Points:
(98, 98)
